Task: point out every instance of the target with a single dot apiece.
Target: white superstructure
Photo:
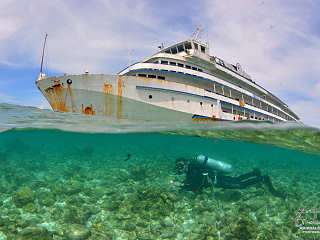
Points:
(180, 82)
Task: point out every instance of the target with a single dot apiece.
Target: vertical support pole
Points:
(44, 46)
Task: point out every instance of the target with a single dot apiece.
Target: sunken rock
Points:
(23, 196)
(2, 236)
(34, 233)
(77, 232)
(167, 222)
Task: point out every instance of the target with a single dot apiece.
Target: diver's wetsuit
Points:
(199, 177)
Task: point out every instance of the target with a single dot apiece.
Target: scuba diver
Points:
(202, 172)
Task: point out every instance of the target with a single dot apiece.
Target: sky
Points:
(276, 42)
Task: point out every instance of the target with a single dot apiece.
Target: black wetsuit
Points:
(198, 177)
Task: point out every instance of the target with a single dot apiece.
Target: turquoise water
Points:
(118, 181)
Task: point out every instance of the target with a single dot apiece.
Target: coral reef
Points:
(23, 197)
(81, 193)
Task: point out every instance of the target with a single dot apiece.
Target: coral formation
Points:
(70, 196)
(23, 197)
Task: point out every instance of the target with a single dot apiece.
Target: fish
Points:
(128, 157)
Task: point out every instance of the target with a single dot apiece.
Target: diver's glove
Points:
(206, 180)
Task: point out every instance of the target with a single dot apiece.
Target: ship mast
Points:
(195, 35)
(44, 46)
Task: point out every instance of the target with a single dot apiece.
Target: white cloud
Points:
(275, 41)
(310, 111)
(39, 102)
(81, 35)
(4, 98)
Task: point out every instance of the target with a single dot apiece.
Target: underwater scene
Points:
(69, 176)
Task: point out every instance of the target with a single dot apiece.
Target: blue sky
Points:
(276, 42)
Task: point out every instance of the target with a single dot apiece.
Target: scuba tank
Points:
(212, 164)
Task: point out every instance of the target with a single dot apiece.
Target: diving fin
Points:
(266, 180)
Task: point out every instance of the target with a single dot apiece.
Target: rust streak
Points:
(71, 98)
(204, 119)
(160, 81)
(119, 103)
(241, 103)
(88, 110)
(56, 96)
(108, 90)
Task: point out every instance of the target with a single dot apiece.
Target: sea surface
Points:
(71, 176)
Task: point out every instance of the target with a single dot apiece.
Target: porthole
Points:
(201, 103)
(188, 101)
(150, 96)
(69, 81)
(211, 105)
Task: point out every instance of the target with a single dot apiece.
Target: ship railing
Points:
(127, 67)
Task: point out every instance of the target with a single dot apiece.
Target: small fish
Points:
(128, 157)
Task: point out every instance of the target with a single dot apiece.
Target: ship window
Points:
(164, 62)
(187, 66)
(203, 49)
(201, 103)
(188, 101)
(150, 96)
(174, 50)
(173, 63)
(161, 77)
(142, 75)
(167, 51)
(187, 45)
(226, 109)
(152, 76)
(194, 68)
(180, 48)
(200, 70)
(211, 105)
(180, 65)
(195, 45)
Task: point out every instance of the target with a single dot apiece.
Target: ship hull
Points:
(128, 97)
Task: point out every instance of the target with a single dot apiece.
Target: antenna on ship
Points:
(44, 46)
(195, 35)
